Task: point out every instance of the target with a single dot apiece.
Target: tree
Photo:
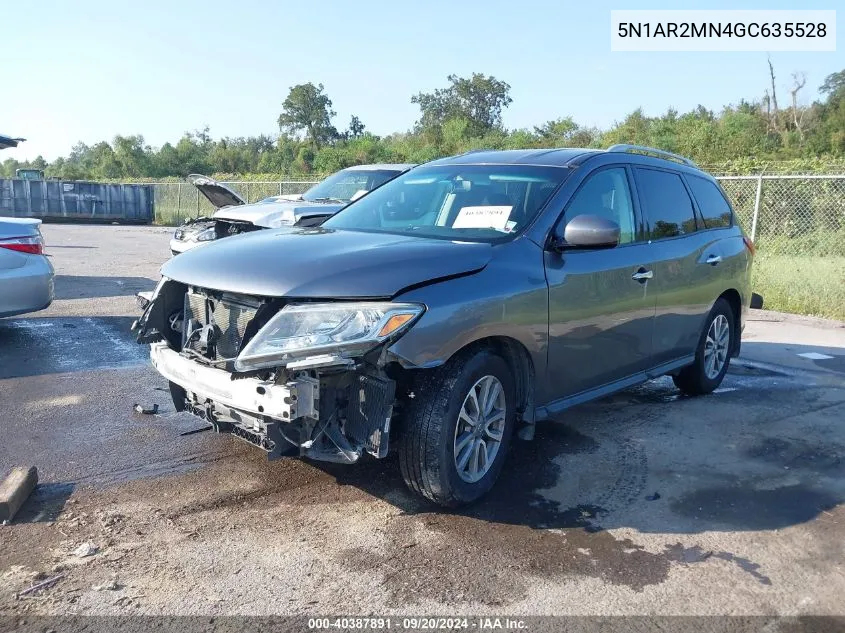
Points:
(834, 85)
(308, 109)
(356, 128)
(565, 132)
(479, 100)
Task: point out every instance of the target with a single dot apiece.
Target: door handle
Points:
(642, 275)
(714, 259)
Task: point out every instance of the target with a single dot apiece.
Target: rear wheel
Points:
(457, 429)
(713, 355)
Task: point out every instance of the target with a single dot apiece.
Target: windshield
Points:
(475, 202)
(345, 184)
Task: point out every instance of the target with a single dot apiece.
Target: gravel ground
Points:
(642, 503)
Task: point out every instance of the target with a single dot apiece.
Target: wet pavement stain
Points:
(68, 344)
(796, 454)
(747, 508)
(486, 553)
(689, 555)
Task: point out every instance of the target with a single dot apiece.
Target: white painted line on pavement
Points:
(815, 356)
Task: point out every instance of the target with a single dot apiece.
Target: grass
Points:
(804, 284)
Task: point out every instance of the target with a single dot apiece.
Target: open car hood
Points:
(324, 263)
(218, 195)
(275, 214)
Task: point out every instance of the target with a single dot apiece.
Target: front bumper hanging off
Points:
(253, 395)
(334, 416)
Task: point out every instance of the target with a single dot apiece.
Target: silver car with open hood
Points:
(233, 215)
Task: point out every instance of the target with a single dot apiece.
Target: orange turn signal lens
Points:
(394, 323)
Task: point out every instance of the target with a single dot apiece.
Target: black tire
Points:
(429, 421)
(693, 380)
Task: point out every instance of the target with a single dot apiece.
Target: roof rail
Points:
(659, 153)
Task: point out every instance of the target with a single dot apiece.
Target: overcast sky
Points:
(91, 69)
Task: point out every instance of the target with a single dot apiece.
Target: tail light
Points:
(749, 245)
(32, 245)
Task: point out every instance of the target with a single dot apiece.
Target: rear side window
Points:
(667, 204)
(711, 202)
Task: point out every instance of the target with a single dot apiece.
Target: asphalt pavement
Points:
(642, 503)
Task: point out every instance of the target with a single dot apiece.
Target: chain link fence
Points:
(176, 202)
(796, 222)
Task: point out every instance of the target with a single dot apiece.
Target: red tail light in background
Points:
(749, 245)
(30, 245)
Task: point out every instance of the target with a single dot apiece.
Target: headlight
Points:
(350, 329)
(206, 235)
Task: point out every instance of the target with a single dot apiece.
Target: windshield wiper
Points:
(327, 200)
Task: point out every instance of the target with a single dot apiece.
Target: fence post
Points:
(756, 207)
(247, 193)
(280, 187)
(179, 203)
(198, 202)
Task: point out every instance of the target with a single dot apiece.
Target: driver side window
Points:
(607, 195)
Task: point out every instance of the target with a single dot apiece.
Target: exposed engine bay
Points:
(326, 407)
(226, 228)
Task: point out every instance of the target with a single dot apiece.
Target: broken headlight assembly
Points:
(306, 330)
(202, 233)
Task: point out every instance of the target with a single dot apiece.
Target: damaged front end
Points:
(291, 378)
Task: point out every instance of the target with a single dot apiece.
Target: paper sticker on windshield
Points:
(487, 217)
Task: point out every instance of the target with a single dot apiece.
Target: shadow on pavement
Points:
(88, 287)
(45, 504)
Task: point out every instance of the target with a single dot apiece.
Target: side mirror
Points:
(588, 231)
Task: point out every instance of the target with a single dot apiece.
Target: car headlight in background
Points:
(203, 232)
(309, 329)
(206, 235)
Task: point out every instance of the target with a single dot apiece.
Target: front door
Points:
(601, 310)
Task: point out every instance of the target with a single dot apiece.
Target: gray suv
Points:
(459, 303)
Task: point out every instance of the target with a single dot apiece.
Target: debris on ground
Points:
(109, 518)
(139, 408)
(15, 489)
(110, 585)
(41, 585)
(85, 550)
(653, 497)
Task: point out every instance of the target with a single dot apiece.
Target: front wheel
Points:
(457, 429)
(713, 355)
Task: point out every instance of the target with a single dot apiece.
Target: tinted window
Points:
(712, 204)
(667, 204)
(606, 194)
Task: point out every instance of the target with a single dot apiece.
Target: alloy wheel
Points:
(480, 429)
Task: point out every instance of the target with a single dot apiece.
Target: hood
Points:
(218, 195)
(324, 263)
(275, 214)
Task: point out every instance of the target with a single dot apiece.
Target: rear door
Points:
(683, 282)
(601, 307)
